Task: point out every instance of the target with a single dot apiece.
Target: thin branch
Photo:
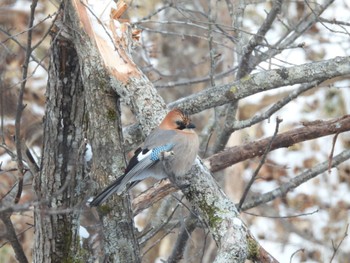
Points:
(296, 181)
(225, 132)
(244, 67)
(294, 253)
(341, 241)
(12, 238)
(192, 81)
(185, 232)
(18, 235)
(323, 24)
(332, 151)
(20, 106)
(334, 21)
(238, 125)
(170, 4)
(212, 17)
(279, 217)
(159, 240)
(291, 35)
(13, 37)
(23, 47)
(148, 234)
(262, 161)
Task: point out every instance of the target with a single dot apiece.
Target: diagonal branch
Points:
(310, 131)
(296, 181)
(263, 81)
(244, 67)
(262, 161)
(12, 238)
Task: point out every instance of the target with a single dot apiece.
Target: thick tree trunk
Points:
(105, 136)
(81, 108)
(59, 183)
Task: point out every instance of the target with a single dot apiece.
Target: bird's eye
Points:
(180, 125)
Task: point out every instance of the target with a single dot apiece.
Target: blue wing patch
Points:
(164, 148)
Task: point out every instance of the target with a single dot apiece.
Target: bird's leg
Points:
(165, 159)
(165, 155)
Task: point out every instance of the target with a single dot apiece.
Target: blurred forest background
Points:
(186, 47)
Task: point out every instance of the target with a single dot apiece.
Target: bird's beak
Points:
(191, 126)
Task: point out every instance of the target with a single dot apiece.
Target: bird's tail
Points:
(111, 189)
(107, 192)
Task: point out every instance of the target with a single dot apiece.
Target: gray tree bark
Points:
(81, 107)
(105, 136)
(59, 183)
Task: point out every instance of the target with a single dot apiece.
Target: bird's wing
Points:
(142, 160)
(139, 163)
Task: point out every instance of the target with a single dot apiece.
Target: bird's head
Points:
(177, 120)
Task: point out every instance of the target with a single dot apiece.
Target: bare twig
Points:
(159, 240)
(262, 161)
(212, 17)
(238, 125)
(185, 232)
(291, 35)
(295, 252)
(12, 238)
(18, 235)
(336, 248)
(20, 106)
(195, 80)
(13, 38)
(170, 4)
(334, 21)
(296, 181)
(225, 132)
(148, 234)
(332, 152)
(278, 217)
(244, 65)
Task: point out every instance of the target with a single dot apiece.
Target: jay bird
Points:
(174, 135)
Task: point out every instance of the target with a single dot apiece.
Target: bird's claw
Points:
(165, 155)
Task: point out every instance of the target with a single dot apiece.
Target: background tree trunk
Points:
(60, 182)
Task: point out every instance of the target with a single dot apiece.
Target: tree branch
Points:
(296, 181)
(263, 81)
(262, 161)
(184, 233)
(244, 65)
(20, 106)
(311, 130)
(12, 238)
